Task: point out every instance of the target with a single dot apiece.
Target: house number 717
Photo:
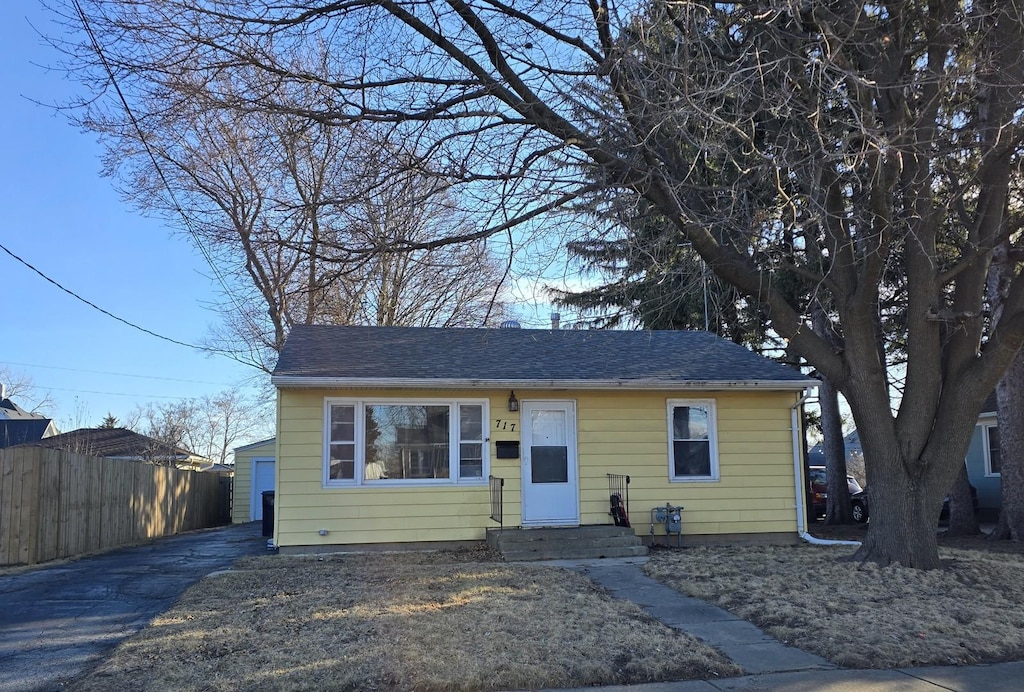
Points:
(504, 425)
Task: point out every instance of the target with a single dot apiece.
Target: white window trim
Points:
(360, 445)
(712, 440)
(985, 427)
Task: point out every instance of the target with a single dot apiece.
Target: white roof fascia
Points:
(302, 382)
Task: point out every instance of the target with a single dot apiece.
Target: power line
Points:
(115, 374)
(156, 163)
(91, 391)
(107, 312)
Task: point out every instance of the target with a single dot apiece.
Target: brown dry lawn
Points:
(863, 616)
(457, 620)
(465, 620)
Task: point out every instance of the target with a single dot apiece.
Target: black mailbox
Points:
(507, 449)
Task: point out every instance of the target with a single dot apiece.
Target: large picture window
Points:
(380, 442)
(693, 448)
(406, 441)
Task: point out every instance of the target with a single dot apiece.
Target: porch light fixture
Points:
(513, 402)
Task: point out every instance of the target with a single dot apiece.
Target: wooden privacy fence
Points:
(56, 504)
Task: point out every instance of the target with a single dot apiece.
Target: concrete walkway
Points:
(998, 677)
(746, 645)
(767, 663)
(58, 621)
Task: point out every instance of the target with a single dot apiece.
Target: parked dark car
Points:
(859, 505)
(819, 488)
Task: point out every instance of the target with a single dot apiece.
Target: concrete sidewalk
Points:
(998, 677)
(769, 664)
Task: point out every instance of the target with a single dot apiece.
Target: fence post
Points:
(35, 497)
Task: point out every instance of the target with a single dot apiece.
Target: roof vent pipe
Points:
(556, 320)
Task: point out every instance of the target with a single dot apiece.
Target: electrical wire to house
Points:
(87, 27)
(114, 374)
(94, 306)
(93, 391)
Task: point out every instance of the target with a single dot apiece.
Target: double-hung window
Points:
(404, 442)
(993, 457)
(341, 432)
(693, 444)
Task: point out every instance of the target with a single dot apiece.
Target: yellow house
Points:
(413, 435)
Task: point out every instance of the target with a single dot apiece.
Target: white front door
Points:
(262, 479)
(550, 477)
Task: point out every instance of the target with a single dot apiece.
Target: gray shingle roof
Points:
(113, 442)
(990, 405)
(11, 411)
(253, 445)
(325, 355)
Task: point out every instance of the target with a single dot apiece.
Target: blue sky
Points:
(59, 214)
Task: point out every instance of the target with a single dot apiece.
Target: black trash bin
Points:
(268, 512)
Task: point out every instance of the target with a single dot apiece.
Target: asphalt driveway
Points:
(57, 622)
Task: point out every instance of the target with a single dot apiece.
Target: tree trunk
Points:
(838, 508)
(962, 521)
(903, 520)
(1010, 401)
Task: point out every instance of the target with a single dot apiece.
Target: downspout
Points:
(800, 487)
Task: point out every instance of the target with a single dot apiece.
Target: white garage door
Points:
(262, 479)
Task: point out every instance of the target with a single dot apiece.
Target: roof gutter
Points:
(304, 382)
(801, 484)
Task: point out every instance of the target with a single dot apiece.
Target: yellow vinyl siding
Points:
(622, 432)
(754, 441)
(241, 493)
(382, 514)
(241, 487)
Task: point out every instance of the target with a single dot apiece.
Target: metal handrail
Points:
(497, 499)
(618, 496)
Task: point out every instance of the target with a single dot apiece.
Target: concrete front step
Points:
(569, 533)
(568, 543)
(563, 553)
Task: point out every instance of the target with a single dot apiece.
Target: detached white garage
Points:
(254, 473)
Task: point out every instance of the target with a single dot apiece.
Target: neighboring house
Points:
(851, 441)
(389, 435)
(121, 443)
(983, 459)
(254, 473)
(854, 456)
(16, 432)
(18, 426)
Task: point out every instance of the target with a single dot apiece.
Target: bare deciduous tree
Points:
(277, 202)
(889, 134)
(209, 426)
(21, 388)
